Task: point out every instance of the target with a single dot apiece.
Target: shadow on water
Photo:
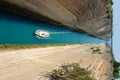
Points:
(21, 30)
(26, 20)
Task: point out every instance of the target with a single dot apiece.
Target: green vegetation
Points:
(116, 68)
(107, 7)
(107, 2)
(96, 50)
(109, 12)
(24, 46)
(70, 72)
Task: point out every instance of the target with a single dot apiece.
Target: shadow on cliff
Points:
(26, 20)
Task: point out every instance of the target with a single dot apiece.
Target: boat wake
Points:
(59, 32)
(41, 34)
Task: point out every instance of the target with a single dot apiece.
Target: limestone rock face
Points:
(33, 64)
(86, 15)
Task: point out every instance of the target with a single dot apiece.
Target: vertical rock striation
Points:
(86, 15)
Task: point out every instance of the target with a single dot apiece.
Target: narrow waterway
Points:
(16, 29)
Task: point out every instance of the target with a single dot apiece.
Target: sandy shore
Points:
(29, 64)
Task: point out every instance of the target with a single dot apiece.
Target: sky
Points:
(116, 29)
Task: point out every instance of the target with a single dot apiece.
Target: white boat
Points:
(42, 33)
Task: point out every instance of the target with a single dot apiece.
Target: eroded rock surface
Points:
(86, 15)
(33, 64)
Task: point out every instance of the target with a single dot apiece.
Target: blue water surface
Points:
(16, 29)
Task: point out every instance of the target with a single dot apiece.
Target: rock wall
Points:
(33, 64)
(86, 15)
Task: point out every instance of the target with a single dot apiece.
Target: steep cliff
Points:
(32, 64)
(86, 15)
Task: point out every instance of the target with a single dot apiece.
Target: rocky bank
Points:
(33, 64)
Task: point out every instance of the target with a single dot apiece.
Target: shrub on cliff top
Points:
(96, 50)
(116, 70)
(70, 72)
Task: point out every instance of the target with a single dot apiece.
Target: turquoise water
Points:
(16, 29)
